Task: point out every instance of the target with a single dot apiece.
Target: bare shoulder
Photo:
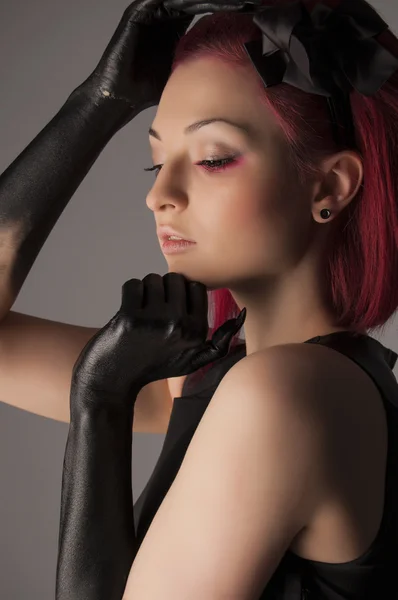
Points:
(322, 384)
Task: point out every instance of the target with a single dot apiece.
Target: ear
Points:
(341, 178)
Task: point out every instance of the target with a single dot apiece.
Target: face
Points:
(231, 190)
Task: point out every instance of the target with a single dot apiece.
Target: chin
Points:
(189, 275)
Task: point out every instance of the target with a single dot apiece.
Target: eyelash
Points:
(222, 163)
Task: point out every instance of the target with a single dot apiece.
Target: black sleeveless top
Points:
(369, 577)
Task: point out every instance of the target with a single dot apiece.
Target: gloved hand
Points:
(136, 64)
(159, 332)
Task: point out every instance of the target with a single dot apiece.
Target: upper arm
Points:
(247, 486)
(36, 362)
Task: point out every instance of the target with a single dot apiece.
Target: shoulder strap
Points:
(377, 360)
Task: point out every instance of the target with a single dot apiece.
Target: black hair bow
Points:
(327, 52)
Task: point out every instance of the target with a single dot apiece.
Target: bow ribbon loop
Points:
(328, 52)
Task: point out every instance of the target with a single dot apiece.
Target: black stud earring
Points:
(325, 213)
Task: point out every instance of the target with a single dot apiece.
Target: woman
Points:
(278, 493)
(290, 423)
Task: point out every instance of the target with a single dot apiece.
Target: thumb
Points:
(224, 334)
(218, 346)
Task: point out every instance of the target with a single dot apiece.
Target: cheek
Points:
(255, 203)
(259, 222)
(247, 201)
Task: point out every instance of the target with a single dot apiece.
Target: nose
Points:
(168, 189)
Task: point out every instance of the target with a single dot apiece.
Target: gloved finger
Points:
(198, 299)
(218, 346)
(211, 350)
(229, 329)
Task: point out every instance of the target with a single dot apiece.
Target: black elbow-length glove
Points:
(159, 332)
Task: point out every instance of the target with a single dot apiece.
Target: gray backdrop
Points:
(105, 236)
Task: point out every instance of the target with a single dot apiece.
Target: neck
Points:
(285, 311)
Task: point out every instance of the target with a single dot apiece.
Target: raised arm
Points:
(37, 186)
(37, 355)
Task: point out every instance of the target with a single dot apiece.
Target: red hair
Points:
(361, 266)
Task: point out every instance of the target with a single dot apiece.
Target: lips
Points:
(164, 231)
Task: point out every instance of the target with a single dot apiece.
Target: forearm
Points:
(37, 186)
(97, 538)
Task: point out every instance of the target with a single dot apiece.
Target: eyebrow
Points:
(247, 129)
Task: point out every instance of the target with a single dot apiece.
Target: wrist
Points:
(102, 107)
(88, 403)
